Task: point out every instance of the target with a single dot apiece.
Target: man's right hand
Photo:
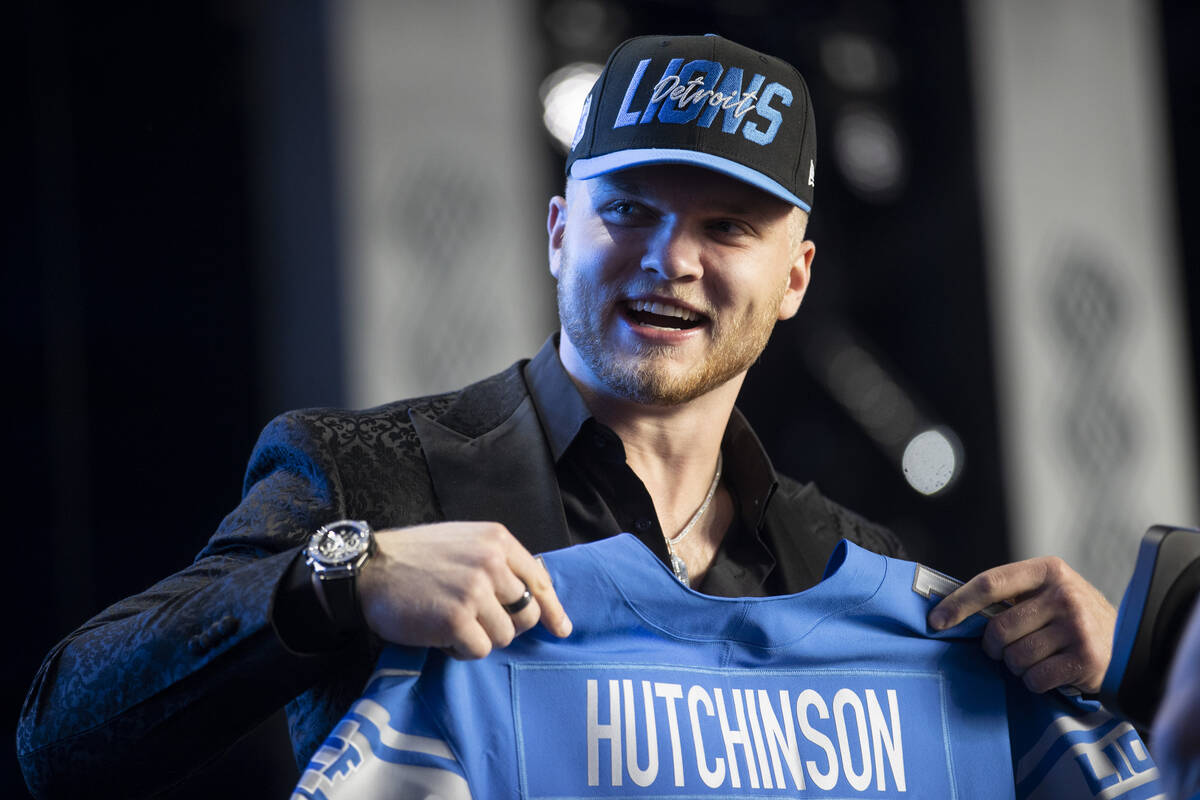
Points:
(444, 585)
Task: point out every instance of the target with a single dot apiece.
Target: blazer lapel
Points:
(505, 475)
(802, 537)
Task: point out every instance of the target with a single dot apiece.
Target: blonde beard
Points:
(639, 377)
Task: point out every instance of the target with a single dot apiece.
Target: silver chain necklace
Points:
(677, 565)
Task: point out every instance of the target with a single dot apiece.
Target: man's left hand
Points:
(1058, 631)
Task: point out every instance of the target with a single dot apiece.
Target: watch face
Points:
(340, 542)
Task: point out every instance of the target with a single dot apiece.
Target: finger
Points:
(523, 614)
(1060, 669)
(1015, 623)
(516, 606)
(1033, 649)
(527, 617)
(533, 573)
(468, 640)
(987, 588)
(495, 621)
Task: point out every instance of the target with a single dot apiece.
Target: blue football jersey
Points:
(841, 691)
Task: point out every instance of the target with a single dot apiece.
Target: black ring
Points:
(516, 606)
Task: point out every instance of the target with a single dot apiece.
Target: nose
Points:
(673, 253)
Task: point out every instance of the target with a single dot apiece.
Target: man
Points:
(678, 244)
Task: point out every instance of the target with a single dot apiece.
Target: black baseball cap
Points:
(701, 100)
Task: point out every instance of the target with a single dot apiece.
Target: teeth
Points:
(664, 310)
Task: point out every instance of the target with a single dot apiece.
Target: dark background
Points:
(157, 213)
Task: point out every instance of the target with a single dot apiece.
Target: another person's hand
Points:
(445, 585)
(1058, 631)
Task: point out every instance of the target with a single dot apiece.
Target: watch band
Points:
(335, 554)
(338, 596)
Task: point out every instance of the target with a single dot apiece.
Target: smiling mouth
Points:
(658, 314)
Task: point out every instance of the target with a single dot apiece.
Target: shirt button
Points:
(643, 525)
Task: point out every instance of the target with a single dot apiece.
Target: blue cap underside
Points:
(622, 159)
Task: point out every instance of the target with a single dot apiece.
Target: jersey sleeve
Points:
(1065, 748)
(385, 748)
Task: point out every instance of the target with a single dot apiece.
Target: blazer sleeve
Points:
(162, 682)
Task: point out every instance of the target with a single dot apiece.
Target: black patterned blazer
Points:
(162, 682)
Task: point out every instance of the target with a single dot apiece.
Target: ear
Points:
(798, 278)
(556, 225)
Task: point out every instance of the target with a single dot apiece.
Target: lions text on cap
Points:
(701, 89)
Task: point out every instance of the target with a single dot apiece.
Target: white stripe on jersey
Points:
(1061, 727)
(395, 739)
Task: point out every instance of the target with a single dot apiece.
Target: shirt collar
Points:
(563, 413)
(749, 467)
(559, 404)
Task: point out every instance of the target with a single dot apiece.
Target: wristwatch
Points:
(335, 554)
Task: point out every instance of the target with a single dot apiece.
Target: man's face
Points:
(670, 280)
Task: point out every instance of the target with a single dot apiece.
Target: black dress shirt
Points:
(602, 496)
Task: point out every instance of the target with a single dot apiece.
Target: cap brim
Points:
(585, 168)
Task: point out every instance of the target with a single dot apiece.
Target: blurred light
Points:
(876, 401)
(929, 456)
(857, 63)
(932, 460)
(869, 153)
(563, 93)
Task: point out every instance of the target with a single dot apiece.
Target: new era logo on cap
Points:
(700, 100)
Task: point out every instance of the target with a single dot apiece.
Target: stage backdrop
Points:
(1096, 411)
(443, 193)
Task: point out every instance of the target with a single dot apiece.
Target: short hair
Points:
(797, 223)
